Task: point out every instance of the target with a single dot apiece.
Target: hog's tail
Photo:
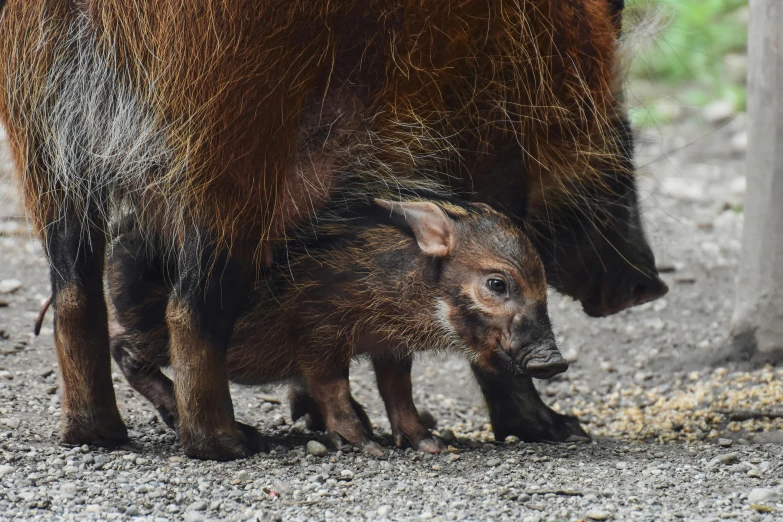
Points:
(47, 303)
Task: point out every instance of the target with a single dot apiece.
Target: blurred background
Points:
(686, 58)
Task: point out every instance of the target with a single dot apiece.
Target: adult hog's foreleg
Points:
(515, 408)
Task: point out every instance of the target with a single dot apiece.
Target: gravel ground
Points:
(675, 438)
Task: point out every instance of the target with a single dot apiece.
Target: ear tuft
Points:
(433, 229)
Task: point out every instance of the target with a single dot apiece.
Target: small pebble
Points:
(9, 286)
(199, 505)
(725, 443)
(597, 515)
(759, 495)
(316, 449)
(447, 436)
(12, 422)
(725, 459)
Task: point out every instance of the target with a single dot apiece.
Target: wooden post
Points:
(757, 325)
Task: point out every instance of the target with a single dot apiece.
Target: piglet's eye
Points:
(498, 286)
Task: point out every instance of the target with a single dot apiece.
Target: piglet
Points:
(386, 279)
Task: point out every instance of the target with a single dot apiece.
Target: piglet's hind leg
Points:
(394, 383)
(331, 391)
(304, 406)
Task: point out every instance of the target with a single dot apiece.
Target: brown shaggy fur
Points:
(243, 93)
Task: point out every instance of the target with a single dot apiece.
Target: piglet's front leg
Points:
(394, 383)
(331, 391)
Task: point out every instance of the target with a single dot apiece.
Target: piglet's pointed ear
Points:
(433, 229)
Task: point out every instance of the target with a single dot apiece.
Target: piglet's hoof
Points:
(242, 441)
(418, 437)
(367, 446)
(553, 427)
(304, 407)
(373, 449)
(565, 428)
(431, 445)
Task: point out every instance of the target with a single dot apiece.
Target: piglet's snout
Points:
(544, 361)
(533, 347)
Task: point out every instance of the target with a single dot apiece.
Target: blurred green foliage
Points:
(688, 56)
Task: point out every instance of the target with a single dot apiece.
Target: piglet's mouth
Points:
(545, 366)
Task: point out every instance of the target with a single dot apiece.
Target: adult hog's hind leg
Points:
(81, 337)
(332, 393)
(302, 405)
(394, 384)
(148, 380)
(153, 385)
(515, 408)
(139, 286)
